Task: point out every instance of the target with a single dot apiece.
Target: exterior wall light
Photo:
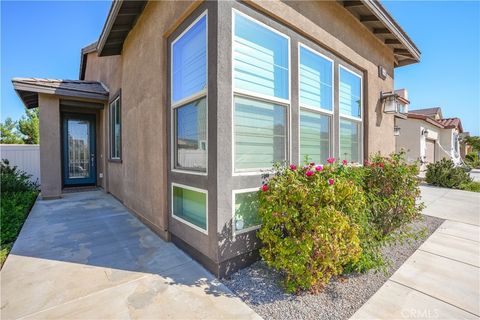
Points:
(396, 131)
(389, 100)
(394, 103)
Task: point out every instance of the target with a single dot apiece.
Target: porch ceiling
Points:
(29, 88)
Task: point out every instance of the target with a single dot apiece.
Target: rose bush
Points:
(319, 221)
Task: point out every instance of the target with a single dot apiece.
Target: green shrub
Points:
(308, 227)
(470, 186)
(445, 174)
(13, 180)
(17, 197)
(320, 221)
(471, 159)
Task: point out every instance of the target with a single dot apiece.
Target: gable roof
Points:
(121, 19)
(412, 115)
(452, 123)
(29, 88)
(123, 14)
(429, 111)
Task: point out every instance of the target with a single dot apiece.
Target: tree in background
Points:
(8, 132)
(473, 141)
(25, 130)
(28, 126)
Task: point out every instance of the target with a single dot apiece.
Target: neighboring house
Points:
(428, 137)
(182, 105)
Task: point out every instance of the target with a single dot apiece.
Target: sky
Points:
(43, 39)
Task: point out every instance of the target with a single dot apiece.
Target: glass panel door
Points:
(79, 150)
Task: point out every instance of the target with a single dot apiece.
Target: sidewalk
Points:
(441, 280)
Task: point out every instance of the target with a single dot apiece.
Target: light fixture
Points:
(396, 131)
(389, 100)
(425, 132)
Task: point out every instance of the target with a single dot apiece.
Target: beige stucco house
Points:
(427, 137)
(181, 105)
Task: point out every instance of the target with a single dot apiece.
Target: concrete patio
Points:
(86, 257)
(441, 280)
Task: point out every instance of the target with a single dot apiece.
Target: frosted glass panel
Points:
(314, 136)
(350, 140)
(189, 61)
(191, 136)
(315, 80)
(260, 134)
(78, 149)
(350, 94)
(191, 206)
(246, 210)
(260, 59)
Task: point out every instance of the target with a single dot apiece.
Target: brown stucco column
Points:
(50, 148)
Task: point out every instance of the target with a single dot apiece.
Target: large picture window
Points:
(245, 214)
(350, 108)
(188, 98)
(189, 205)
(115, 129)
(316, 105)
(191, 136)
(260, 134)
(316, 80)
(261, 94)
(315, 138)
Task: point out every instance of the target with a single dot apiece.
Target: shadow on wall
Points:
(94, 229)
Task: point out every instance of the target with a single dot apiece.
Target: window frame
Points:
(358, 120)
(172, 213)
(320, 111)
(252, 228)
(111, 106)
(194, 97)
(286, 103)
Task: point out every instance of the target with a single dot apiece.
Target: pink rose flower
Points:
(319, 168)
(331, 160)
(265, 187)
(312, 163)
(309, 173)
(331, 181)
(305, 167)
(344, 162)
(293, 167)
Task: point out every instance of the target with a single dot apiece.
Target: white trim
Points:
(192, 98)
(300, 45)
(261, 97)
(316, 110)
(234, 193)
(110, 127)
(196, 96)
(173, 184)
(331, 145)
(351, 118)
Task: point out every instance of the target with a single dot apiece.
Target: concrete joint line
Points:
(462, 238)
(439, 255)
(446, 302)
(82, 297)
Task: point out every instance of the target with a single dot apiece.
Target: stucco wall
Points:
(50, 148)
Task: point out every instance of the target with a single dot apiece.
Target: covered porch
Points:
(72, 126)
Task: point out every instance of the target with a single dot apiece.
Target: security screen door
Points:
(79, 156)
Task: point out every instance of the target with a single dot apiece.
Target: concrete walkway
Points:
(86, 257)
(441, 280)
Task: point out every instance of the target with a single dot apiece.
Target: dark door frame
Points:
(92, 180)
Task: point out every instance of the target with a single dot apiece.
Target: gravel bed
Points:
(260, 287)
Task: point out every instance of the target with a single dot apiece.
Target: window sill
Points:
(115, 160)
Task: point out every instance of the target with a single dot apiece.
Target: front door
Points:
(79, 156)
